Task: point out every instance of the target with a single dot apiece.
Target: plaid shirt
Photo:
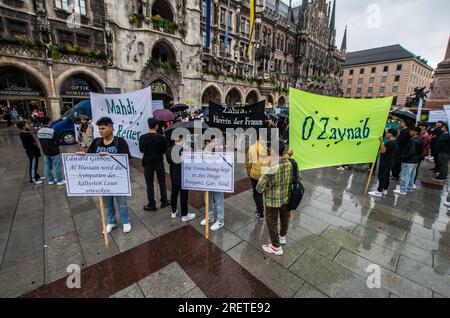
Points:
(276, 184)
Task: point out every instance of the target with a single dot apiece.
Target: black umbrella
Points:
(178, 108)
(404, 114)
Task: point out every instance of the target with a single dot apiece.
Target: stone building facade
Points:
(386, 71)
(440, 90)
(54, 52)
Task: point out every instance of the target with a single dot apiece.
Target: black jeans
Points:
(384, 172)
(417, 170)
(258, 197)
(437, 164)
(149, 172)
(397, 168)
(443, 165)
(184, 197)
(33, 169)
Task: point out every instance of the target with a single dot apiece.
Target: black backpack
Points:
(297, 190)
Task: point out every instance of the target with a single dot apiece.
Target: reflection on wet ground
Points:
(334, 236)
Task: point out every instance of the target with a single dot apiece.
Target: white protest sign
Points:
(129, 112)
(208, 171)
(94, 175)
(447, 112)
(157, 104)
(437, 115)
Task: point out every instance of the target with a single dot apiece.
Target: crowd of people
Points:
(404, 149)
(268, 166)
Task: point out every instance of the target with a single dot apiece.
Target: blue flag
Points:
(227, 33)
(208, 24)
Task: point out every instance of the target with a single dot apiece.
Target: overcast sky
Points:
(420, 26)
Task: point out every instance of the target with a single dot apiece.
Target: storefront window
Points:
(76, 89)
(21, 91)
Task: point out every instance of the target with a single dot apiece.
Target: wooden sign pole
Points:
(102, 212)
(207, 215)
(371, 174)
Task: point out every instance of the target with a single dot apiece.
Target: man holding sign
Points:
(103, 146)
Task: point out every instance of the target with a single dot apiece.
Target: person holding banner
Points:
(103, 146)
(174, 159)
(154, 146)
(276, 184)
(216, 199)
(387, 161)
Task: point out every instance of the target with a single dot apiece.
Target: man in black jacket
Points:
(174, 159)
(410, 159)
(402, 140)
(49, 141)
(443, 150)
(32, 150)
(154, 146)
(435, 134)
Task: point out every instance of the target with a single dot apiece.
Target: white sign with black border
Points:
(208, 171)
(95, 175)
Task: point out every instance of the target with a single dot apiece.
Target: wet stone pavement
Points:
(334, 236)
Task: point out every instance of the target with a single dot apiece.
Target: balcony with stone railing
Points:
(20, 46)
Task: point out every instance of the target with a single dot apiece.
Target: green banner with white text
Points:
(330, 131)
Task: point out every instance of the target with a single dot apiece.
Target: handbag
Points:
(297, 189)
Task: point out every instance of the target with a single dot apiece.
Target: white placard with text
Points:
(212, 171)
(95, 175)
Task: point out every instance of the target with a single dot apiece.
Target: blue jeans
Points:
(407, 176)
(216, 199)
(110, 210)
(51, 163)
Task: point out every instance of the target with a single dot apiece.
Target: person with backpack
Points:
(49, 141)
(276, 184)
(105, 145)
(410, 159)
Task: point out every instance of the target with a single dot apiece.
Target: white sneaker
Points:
(110, 227)
(203, 222)
(127, 228)
(42, 179)
(447, 204)
(173, 215)
(376, 194)
(63, 182)
(38, 182)
(270, 249)
(188, 217)
(385, 192)
(400, 192)
(217, 226)
(283, 240)
(51, 182)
